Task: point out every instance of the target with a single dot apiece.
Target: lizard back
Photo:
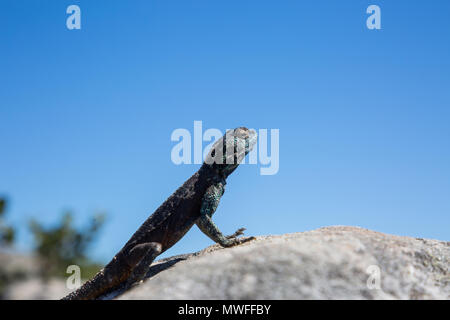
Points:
(176, 215)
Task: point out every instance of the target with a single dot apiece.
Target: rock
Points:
(12, 262)
(37, 289)
(22, 270)
(328, 263)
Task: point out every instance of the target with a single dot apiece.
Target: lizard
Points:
(193, 203)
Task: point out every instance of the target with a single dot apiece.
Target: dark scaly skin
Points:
(193, 203)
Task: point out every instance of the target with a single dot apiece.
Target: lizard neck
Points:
(211, 174)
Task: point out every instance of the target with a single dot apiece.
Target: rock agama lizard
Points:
(192, 203)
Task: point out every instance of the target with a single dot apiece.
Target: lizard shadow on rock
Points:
(164, 264)
(160, 266)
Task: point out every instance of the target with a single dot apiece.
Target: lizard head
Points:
(228, 152)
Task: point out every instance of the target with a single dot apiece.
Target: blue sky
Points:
(364, 115)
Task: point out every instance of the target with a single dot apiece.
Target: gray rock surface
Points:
(27, 283)
(37, 289)
(328, 263)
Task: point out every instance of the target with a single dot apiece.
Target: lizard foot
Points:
(239, 232)
(236, 241)
(243, 240)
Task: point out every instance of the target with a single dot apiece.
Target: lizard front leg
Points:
(210, 202)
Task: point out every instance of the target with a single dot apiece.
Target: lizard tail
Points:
(90, 290)
(100, 284)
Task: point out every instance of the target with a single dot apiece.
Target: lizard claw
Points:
(246, 239)
(239, 232)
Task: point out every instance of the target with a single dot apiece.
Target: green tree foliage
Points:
(63, 245)
(7, 233)
(7, 236)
